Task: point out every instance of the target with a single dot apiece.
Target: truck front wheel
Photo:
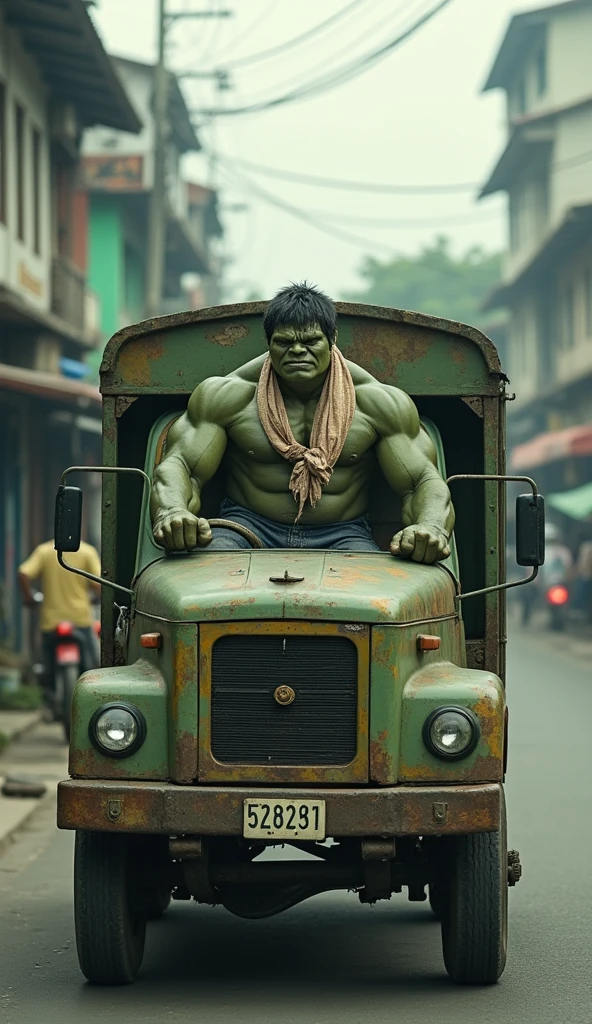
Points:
(109, 911)
(475, 908)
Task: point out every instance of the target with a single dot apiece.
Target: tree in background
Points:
(433, 282)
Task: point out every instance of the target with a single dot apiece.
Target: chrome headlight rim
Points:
(470, 717)
(139, 719)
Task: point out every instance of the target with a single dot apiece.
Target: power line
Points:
(411, 222)
(294, 211)
(381, 223)
(331, 62)
(338, 77)
(254, 25)
(273, 51)
(352, 186)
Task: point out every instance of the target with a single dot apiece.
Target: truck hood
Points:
(328, 585)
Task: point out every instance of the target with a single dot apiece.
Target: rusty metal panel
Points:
(443, 684)
(495, 556)
(108, 531)
(207, 810)
(140, 684)
(336, 585)
(395, 658)
(176, 660)
(419, 353)
(211, 770)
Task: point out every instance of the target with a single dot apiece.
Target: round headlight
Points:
(451, 732)
(117, 729)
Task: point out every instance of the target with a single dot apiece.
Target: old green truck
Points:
(347, 705)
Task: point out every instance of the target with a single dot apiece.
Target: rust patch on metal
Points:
(210, 810)
(382, 765)
(136, 358)
(457, 354)
(184, 667)
(476, 404)
(228, 335)
(122, 403)
(185, 757)
(371, 336)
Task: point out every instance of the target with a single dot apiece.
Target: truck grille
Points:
(249, 726)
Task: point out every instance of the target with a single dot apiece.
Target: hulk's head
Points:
(300, 327)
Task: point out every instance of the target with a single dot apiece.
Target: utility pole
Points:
(157, 212)
(158, 199)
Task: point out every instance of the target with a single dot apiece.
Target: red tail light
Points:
(64, 629)
(558, 594)
(97, 627)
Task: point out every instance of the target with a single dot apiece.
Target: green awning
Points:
(576, 503)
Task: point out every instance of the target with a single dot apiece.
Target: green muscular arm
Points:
(195, 447)
(407, 459)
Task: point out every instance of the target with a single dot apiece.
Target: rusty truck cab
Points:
(370, 653)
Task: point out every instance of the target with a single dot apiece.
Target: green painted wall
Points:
(105, 270)
(134, 285)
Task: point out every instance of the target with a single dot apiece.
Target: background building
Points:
(545, 68)
(55, 80)
(118, 178)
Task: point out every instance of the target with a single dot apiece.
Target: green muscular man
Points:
(299, 432)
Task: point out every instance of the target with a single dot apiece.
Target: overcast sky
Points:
(419, 117)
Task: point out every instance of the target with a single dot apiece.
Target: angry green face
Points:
(299, 354)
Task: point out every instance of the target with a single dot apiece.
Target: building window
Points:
(588, 301)
(2, 153)
(19, 148)
(541, 71)
(36, 140)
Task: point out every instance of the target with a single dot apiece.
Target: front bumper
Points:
(166, 809)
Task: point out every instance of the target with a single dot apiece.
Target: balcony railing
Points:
(67, 292)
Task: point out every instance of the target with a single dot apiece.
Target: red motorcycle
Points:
(71, 658)
(557, 598)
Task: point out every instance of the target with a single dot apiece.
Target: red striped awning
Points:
(553, 445)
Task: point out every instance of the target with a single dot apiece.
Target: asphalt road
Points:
(331, 959)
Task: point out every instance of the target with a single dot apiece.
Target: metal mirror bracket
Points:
(102, 469)
(500, 479)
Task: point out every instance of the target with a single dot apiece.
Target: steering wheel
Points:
(227, 524)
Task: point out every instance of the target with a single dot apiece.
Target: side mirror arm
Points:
(500, 479)
(101, 469)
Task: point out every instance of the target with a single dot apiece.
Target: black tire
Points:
(475, 918)
(109, 911)
(156, 902)
(437, 898)
(68, 678)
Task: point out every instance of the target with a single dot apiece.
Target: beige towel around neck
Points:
(332, 420)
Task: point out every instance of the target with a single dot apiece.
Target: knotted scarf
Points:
(332, 420)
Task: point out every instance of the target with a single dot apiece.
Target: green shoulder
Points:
(390, 410)
(218, 399)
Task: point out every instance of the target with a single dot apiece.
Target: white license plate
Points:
(67, 654)
(284, 819)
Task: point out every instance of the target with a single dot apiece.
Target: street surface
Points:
(332, 960)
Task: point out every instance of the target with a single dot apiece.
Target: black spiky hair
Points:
(301, 305)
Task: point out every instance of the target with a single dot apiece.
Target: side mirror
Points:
(68, 519)
(530, 529)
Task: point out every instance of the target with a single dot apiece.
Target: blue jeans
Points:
(352, 535)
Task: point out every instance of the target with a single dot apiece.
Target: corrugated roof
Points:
(521, 28)
(64, 43)
(181, 124)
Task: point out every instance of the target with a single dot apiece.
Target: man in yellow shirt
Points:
(66, 597)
